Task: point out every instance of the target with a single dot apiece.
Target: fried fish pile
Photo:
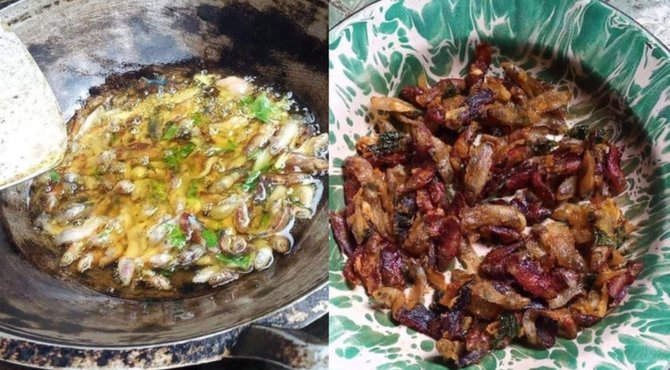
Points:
(485, 171)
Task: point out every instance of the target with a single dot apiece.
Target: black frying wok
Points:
(51, 322)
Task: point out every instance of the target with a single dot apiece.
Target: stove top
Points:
(318, 331)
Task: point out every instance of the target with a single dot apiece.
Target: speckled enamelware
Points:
(620, 77)
(48, 322)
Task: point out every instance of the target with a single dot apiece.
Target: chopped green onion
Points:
(186, 150)
(265, 219)
(262, 108)
(158, 191)
(173, 156)
(54, 176)
(114, 138)
(211, 240)
(176, 237)
(229, 147)
(242, 262)
(171, 131)
(166, 272)
(262, 161)
(253, 154)
(252, 179)
(245, 103)
(192, 191)
(170, 158)
(197, 118)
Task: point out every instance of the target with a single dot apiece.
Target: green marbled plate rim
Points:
(638, 335)
(355, 13)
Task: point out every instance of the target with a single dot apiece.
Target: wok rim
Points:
(191, 351)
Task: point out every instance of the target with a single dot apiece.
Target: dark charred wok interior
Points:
(477, 194)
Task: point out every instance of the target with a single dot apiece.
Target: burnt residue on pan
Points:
(25, 352)
(281, 37)
(270, 41)
(78, 45)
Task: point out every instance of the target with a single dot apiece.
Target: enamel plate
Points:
(620, 77)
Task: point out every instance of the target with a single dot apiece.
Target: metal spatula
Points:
(33, 136)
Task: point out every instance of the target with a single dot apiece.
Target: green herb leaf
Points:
(389, 142)
(544, 146)
(186, 150)
(242, 262)
(253, 154)
(158, 191)
(211, 240)
(580, 132)
(230, 146)
(262, 108)
(246, 102)
(170, 158)
(166, 272)
(173, 156)
(251, 181)
(508, 327)
(265, 220)
(114, 138)
(197, 118)
(192, 191)
(603, 238)
(176, 237)
(171, 131)
(54, 176)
